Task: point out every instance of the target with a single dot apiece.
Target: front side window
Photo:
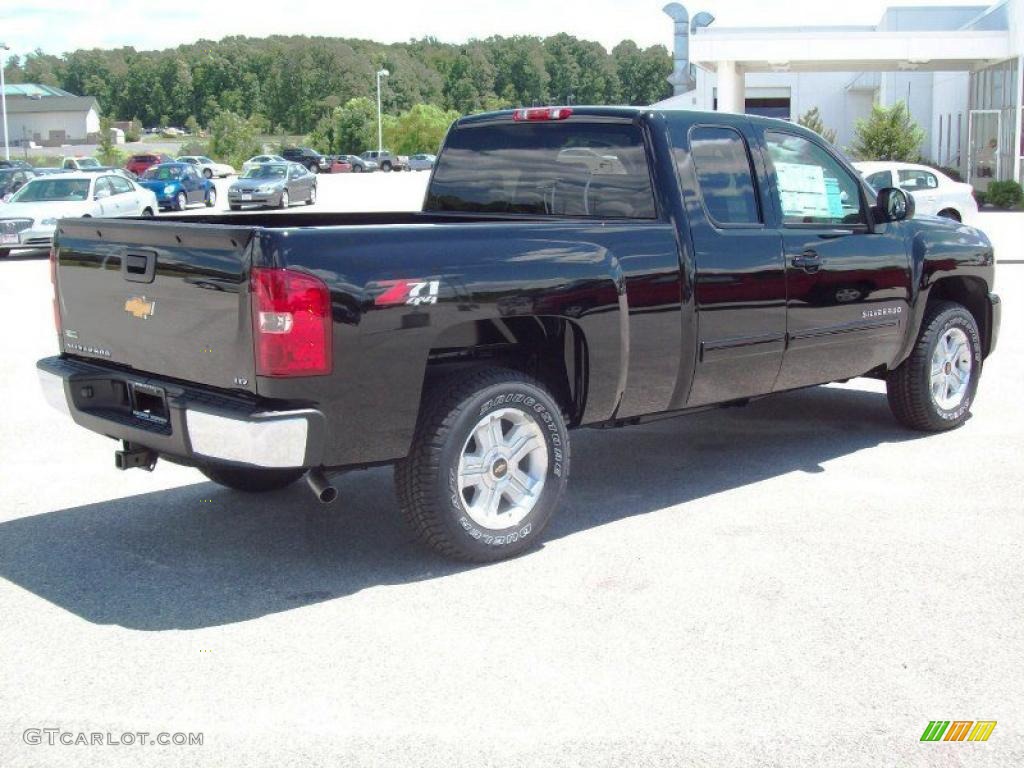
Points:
(578, 169)
(811, 186)
(724, 175)
(119, 184)
(914, 179)
(879, 180)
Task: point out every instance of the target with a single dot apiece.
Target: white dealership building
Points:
(960, 70)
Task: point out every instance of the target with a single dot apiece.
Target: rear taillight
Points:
(291, 318)
(53, 282)
(541, 113)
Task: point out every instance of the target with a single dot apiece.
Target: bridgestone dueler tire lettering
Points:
(425, 481)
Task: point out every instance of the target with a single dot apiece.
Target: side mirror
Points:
(894, 205)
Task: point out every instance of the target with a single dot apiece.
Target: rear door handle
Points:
(808, 261)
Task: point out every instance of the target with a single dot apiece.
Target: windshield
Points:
(88, 162)
(267, 171)
(163, 173)
(53, 190)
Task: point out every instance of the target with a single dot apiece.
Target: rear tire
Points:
(312, 196)
(251, 480)
(4, 253)
(211, 198)
(932, 390)
(950, 213)
(488, 466)
(235, 207)
(386, 167)
(147, 213)
(208, 173)
(357, 169)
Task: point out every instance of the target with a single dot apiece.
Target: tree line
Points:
(292, 84)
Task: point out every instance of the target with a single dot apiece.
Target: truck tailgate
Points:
(158, 297)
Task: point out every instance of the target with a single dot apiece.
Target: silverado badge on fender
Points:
(140, 307)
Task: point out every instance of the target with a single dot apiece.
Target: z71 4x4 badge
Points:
(412, 292)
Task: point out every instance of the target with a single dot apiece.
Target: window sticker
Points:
(804, 193)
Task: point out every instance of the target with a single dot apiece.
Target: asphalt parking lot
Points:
(797, 583)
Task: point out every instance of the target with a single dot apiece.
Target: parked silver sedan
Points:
(276, 185)
(422, 162)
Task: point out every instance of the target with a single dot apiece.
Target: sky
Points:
(57, 26)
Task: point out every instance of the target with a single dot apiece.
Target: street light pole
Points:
(3, 100)
(380, 125)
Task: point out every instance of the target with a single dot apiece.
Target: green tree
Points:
(642, 74)
(420, 129)
(192, 125)
(106, 150)
(234, 139)
(888, 134)
(812, 119)
(355, 126)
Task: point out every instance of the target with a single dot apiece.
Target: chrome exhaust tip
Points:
(321, 486)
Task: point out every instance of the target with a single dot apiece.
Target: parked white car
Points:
(252, 162)
(935, 194)
(208, 167)
(29, 218)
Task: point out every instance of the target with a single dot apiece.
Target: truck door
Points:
(847, 283)
(740, 280)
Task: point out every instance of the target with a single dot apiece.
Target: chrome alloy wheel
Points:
(502, 468)
(951, 369)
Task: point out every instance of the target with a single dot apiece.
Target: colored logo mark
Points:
(958, 730)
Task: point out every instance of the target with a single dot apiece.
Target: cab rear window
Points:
(572, 169)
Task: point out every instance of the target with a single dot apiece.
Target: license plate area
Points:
(246, 196)
(8, 239)
(149, 403)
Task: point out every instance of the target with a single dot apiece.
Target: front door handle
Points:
(808, 261)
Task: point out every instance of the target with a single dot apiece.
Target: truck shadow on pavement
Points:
(201, 556)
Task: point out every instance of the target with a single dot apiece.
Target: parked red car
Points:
(339, 165)
(139, 164)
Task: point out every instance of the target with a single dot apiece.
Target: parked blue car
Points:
(178, 185)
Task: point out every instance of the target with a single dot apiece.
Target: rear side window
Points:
(724, 175)
(594, 170)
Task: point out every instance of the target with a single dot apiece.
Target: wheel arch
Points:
(549, 348)
(972, 293)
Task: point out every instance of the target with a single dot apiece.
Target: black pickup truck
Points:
(570, 267)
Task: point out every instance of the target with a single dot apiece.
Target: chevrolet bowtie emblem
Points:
(140, 307)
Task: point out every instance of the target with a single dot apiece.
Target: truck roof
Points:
(632, 113)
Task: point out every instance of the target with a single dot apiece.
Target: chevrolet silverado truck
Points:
(571, 267)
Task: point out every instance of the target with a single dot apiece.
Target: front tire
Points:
(386, 167)
(251, 480)
(312, 196)
(211, 198)
(932, 390)
(950, 213)
(488, 466)
(285, 201)
(181, 202)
